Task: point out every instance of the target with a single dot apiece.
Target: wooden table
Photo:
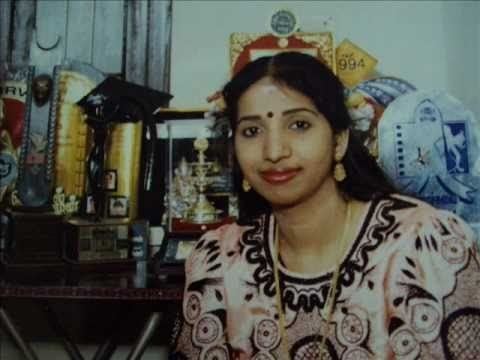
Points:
(59, 283)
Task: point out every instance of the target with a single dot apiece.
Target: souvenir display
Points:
(119, 113)
(72, 81)
(15, 95)
(366, 103)
(198, 177)
(428, 145)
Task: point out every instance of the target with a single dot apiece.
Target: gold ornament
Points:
(339, 173)
(202, 211)
(341, 139)
(246, 185)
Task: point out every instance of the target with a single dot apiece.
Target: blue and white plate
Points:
(385, 89)
(428, 146)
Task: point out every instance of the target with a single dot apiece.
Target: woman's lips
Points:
(276, 177)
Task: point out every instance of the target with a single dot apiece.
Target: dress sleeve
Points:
(199, 330)
(436, 293)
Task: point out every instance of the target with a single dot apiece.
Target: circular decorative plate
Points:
(428, 146)
(283, 23)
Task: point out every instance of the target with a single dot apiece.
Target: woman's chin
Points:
(283, 201)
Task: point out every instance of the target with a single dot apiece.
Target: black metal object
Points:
(118, 101)
(14, 332)
(69, 345)
(145, 335)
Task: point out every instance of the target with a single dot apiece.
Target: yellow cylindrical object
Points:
(123, 157)
(71, 134)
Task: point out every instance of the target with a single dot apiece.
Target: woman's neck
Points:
(310, 232)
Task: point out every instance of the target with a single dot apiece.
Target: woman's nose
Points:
(276, 147)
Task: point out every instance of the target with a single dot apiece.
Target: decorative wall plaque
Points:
(245, 47)
(353, 63)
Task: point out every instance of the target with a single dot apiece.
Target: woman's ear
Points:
(341, 144)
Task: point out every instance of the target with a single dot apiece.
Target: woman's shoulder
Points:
(412, 208)
(217, 249)
(415, 218)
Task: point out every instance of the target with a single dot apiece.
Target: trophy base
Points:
(181, 226)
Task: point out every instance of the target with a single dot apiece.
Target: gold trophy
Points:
(202, 211)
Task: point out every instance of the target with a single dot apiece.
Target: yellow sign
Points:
(353, 63)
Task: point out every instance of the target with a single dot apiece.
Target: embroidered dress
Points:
(409, 288)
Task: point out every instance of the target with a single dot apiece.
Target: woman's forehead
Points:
(268, 93)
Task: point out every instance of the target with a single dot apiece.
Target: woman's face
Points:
(284, 146)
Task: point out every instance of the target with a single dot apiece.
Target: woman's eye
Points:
(300, 125)
(250, 131)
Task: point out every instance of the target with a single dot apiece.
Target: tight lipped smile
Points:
(279, 177)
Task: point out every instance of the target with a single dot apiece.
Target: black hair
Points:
(312, 78)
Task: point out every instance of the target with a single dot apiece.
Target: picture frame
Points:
(245, 47)
(110, 180)
(118, 206)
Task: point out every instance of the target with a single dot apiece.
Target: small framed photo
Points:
(117, 206)
(110, 180)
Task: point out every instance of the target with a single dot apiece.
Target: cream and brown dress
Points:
(409, 288)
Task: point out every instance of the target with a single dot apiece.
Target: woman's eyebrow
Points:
(295, 110)
(286, 112)
(249, 117)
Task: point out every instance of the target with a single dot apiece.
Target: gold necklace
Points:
(329, 302)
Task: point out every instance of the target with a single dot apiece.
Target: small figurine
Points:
(42, 89)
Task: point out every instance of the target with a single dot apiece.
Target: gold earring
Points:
(339, 173)
(246, 185)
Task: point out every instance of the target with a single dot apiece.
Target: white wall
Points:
(462, 35)
(428, 43)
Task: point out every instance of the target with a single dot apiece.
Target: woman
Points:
(332, 264)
